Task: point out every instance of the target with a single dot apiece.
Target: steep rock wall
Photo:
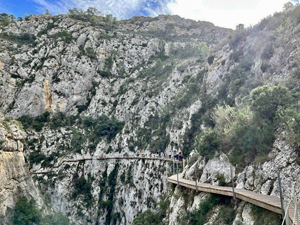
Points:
(15, 178)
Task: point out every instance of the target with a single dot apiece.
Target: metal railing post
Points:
(196, 178)
(173, 166)
(287, 218)
(166, 171)
(177, 173)
(296, 213)
(296, 216)
(281, 197)
(231, 174)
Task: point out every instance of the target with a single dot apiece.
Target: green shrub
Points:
(82, 187)
(297, 74)
(200, 215)
(264, 66)
(268, 51)
(24, 38)
(237, 37)
(122, 177)
(201, 117)
(37, 126)
(103, 126)
(47, 161)
(112, 181)
(236, 55)
(91, 53)
(289, 118)
(55, 219)
(226, 215)
(228, 119)
(108, 63)
(153, 218)
(36, 157)
(208, 144)
(251, 141)
(67, 166)
(147, 218)
(77, 140)
(263, 216)
(266, 100)
(201, 50)
(210, 59)
(26, 121)
(65, 35)
(4, 19)
(221, 180)
(58, 120)
(26, 212)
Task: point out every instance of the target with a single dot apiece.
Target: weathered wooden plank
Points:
(271, 203)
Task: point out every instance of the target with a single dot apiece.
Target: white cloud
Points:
(224, 13)
(227, 13)
(119, 8)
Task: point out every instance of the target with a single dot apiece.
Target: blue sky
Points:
(225, 13)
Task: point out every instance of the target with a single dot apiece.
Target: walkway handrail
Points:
(268, 202)
(108, 158)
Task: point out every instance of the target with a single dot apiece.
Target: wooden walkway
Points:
(105, 158)
(268, 202)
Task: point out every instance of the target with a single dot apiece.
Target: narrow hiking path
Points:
(268, 202)
(62, 161)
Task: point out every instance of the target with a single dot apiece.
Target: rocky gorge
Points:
(75, 87)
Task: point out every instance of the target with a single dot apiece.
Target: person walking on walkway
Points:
(180, 156)
(175, 155)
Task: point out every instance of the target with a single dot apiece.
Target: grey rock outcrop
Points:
(15, 178)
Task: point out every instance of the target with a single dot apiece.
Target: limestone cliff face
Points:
(156, 76)
(15, 178)
(118, 189)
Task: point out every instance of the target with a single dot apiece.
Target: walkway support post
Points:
(167, 170)
(287, 218)
(231, 174)
(173, 166)
(177, 173)
(196, 177)
(281, 198)
(296, 216)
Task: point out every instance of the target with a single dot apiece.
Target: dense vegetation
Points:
(86, 133)
(153, 218)
(107, 187)
(27, 213)
(201, 215)
(248, 131)
(263, 216)
(244, 118)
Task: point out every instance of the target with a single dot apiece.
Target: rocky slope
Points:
(85, 89)
(15, 178)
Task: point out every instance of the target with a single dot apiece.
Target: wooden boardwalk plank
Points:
(268, 202)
